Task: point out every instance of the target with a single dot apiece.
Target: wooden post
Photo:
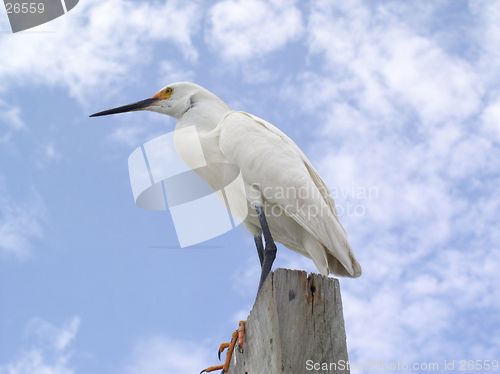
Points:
(295, 325)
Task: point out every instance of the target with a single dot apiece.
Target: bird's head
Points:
(173, 100)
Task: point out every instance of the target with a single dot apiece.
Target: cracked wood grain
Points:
(296, 318)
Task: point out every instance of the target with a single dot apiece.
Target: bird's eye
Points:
(168, 90)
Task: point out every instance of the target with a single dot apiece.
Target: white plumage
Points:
(278, 176)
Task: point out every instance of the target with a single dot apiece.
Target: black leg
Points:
(270, 251)
(260, 248)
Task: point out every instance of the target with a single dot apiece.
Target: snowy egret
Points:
(292, 203)
(279, 178)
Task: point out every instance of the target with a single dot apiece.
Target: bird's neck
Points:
(205, 115)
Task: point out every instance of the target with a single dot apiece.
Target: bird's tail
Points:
(335, 267)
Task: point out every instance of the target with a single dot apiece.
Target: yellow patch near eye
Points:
(164, 94)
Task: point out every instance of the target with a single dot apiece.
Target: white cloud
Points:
(426, 78)
(242, 30)
(491, 120)
(33, 361)
(159, 355)
(10, 121)
(487, 36)
(47, 153)
(51, 355)
(21, 223)
(54, 337)
(89, 49)
(402, 114)
(130, 135)
(170, 72)
(390, 65)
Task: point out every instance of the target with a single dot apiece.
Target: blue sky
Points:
(396, 103)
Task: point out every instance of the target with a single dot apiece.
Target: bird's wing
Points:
(320, 184)
(270, 160)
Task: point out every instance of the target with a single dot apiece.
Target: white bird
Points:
(292, 203)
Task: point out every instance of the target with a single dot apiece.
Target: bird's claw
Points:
(237, 339)
(222, 348)
(212, 368)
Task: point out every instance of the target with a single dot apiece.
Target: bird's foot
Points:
(230, 349)
(237, 339)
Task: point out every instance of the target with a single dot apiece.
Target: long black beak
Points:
(143, 104)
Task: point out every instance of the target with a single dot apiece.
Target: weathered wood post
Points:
(296, 326)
